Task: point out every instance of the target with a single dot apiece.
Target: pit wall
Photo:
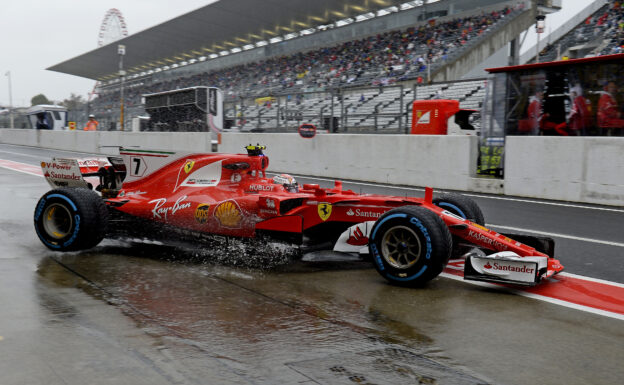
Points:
(572, 169)
(589, 170)
(443, 162)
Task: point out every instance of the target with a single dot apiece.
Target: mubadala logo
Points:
(363, 214)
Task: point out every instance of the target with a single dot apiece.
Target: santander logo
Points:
(501, 267)
(357, 238)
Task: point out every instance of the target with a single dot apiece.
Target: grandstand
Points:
(381, 109)
(601, 33)
(356, 68)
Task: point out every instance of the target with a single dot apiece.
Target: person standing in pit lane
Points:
(92, 124)
(609, 116)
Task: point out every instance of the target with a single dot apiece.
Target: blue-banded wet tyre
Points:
(410, 245)
(460, 205)
(70, 219)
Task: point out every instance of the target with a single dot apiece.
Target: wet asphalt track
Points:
(134, 314)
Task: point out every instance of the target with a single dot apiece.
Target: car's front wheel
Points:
(410, 245)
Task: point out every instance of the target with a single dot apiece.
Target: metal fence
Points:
(379, 109)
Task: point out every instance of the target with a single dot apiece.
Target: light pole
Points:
(8, 74)
(121, 50)
(540, 23)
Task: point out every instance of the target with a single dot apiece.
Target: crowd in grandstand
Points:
(602, 33)
(614, 21)
(380, 59)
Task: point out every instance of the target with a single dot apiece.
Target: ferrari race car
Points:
(166, 195)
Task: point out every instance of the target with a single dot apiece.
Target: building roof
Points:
(217, 27)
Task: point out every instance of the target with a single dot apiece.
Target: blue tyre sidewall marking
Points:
(39, 210)
(452, 207)
(407, 279)
(377, 257)
(65, 198)
(386, 219)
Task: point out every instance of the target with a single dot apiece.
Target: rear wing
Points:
(92, 173)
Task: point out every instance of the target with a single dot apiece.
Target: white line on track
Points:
(609, 243)
(541, 297)
(22, 171)
(470, 195)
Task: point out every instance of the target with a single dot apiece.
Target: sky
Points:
(37, 34)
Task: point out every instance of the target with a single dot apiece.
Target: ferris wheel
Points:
(113, 27)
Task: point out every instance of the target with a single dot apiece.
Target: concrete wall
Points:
(447, 162)
(106, 142)
(589, 170)
(572, 169)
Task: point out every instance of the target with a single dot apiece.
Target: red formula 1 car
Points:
(228, 196)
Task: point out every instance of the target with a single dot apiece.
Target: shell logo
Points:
(229, 214)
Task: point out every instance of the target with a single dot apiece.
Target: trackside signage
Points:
(512, 270)
(307, 131)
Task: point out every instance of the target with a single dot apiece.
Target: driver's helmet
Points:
(288, 181)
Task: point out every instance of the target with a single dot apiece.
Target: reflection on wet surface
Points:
(264, 326)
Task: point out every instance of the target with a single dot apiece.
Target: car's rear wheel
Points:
(69, 219)
(410, 245)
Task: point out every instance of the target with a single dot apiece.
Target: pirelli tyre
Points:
(460, 205)
(410, 245)
(69, 219)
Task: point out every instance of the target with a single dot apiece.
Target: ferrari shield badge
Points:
(324, 210)
(189, 166)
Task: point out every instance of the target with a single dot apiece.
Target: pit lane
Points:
(126, 313)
